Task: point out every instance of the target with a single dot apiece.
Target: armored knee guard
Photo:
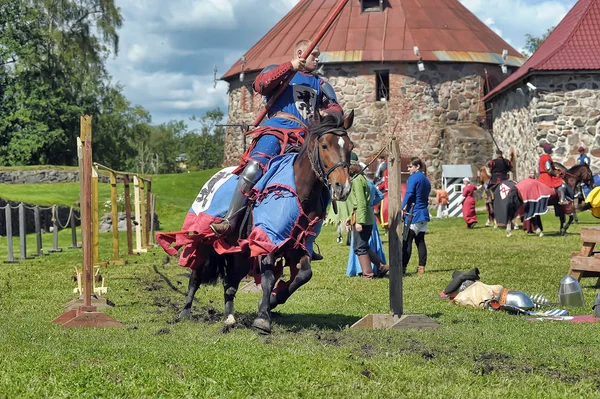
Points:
(562, 193)
(248, 178)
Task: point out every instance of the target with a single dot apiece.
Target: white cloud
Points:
(513, 19)
(168, 48)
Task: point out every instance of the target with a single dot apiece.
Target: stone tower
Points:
(415, 70)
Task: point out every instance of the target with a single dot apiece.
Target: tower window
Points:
(383, 85)
(371, 5)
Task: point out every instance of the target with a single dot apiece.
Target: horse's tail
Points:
(513, 204)
(213, 268)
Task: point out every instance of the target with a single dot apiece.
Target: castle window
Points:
(383, 85)
(371, 5)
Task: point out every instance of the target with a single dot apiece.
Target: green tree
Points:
(532, 43)
(52, 55)
(205, 146)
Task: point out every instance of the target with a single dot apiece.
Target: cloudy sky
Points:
(168, 49)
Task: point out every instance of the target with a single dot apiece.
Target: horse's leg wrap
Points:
(263, 319)
(304, 275)
(193, 285)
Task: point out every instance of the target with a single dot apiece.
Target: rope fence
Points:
(144, 206)
(56, 226)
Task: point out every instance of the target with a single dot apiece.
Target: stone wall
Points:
(44, 176)
(421, 105)
(563, 111)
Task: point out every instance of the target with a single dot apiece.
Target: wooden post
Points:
(149, 214)
(396, 320)
(138, 218)
(115, 219)
(128, 215)
(143, 216)
(395, 229)
(152, 211)
(94, 220)
(86, 315)
(86, 198)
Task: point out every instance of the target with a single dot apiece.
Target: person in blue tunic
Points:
(287, 123)
(583, 157)
(417, 193)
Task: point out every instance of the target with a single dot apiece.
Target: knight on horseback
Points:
(547, 176)
(499, 168)
(287, 124)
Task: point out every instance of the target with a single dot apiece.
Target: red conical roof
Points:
(444, 30)
(574, 45)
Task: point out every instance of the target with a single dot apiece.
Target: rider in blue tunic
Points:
(287, 123)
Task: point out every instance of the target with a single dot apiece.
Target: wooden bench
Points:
(586, 263)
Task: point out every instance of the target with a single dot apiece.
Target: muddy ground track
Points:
(160, 288)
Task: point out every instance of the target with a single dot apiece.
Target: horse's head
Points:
(329, 148)
(575, 175)
(484, 175)
(584, 175)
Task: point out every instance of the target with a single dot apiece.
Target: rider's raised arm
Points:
(271, 77)
(329, 102)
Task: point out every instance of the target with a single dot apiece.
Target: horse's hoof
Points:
(495, 226)
(185, 314)
(263, 326)
(229, 321)
(508, 234)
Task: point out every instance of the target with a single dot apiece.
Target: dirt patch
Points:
(163, 331)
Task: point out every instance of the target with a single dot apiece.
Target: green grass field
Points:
(312, 352)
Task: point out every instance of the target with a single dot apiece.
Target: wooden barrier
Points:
(586, 263)
(86, 314)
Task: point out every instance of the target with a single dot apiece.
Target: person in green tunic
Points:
(363, 220)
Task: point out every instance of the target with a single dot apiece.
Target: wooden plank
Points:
(590, 234)
(581, 263)
(395, 227)
(587, 249)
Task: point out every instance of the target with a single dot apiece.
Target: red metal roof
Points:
(444, 30)
(573, 45)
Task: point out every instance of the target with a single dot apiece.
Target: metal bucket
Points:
(570, 293)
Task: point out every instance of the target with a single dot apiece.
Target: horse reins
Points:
(317, 163)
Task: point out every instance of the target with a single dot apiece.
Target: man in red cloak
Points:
(545, 169)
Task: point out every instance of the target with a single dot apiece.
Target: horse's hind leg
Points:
(193, 285)
(263, 319)
(303, 277)
(235, 270)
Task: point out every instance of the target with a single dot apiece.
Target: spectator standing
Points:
(441, 199)
(417, 198)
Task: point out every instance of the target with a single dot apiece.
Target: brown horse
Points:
(321, 170)
(572, 177)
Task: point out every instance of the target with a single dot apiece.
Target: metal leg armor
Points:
(248, 178)
(561, 194)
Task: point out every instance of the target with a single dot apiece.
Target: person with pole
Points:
(287, 124)
(416, 214)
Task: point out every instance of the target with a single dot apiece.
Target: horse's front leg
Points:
(235, 269)
(267, 281)
(304, 275)
(193, 285)
(563, 230)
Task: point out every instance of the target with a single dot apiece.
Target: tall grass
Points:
(312, 352)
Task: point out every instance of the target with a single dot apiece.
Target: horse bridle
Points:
(316, 161)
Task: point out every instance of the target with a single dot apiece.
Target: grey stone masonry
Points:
(564, 111)
(420, 106)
